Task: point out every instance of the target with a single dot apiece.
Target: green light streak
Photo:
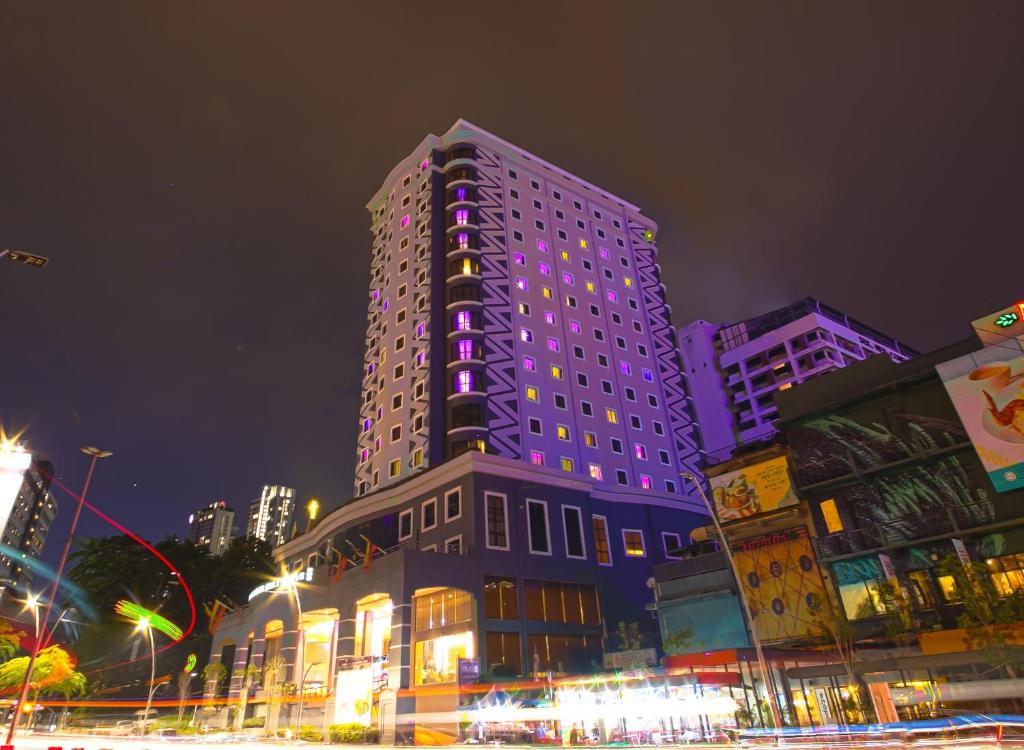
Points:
(139, 614)
(190, 663)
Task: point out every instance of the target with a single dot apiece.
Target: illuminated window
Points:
(544, 268)
(463, 241)
(552, 344)
(612, 416)
(462, 217)
(364, 455)
(417, 457)
(536, 458)
(567, 278)
(437, 659)
(575, 327)
(565, 255)
(367, 424)
(595, 472)
(542, 246)
(590, 287)
(467, 267)
(524, 309)
(647, 374)
(526, 335)
(625, 368)
(583, 244)
(395, 468)
(645, 481)
(566, 464)
(529, 363)
(563, 432)
(556, 372)
(519, 259)
(612, 296)
(590, 439)
(549, 317)
(405, 221)
(640, 451)
(531, 393)
(464, 381)
(546, 292)
(522, 283)
(627, 281)
(633, 543)
(602, 550)
(604, 253)
(830, 514)
(465, 349)
(463, 321)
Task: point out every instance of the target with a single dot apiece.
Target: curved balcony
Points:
(458, 174)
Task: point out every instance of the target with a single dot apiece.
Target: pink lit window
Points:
(625, 368)
(526, 335)
(542, 246)
(567, 278)
(641, 451)
(529, 363)
(376, 444)
(522, 283)
(544, 268)
(424, 164)
(463, 321)
(364, 455)
(605, 254)
(367, 424)
(463, 240)
(536, 458)
(612, 296)
(549, 317)
(405, 221)
(519, 258)
(463, 381)
(553, 344)
(645, 482)
(465, 349)
(574, 326)
(595, 472)
(462, 217)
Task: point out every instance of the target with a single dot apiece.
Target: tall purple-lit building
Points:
(516, 309)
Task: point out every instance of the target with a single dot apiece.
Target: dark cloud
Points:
(198, 173)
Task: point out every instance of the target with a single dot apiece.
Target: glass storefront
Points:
(437, 659)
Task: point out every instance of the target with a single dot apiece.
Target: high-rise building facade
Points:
(271, 515)
(733, 370)
(212, 527)
(516, 309)
(27, 510)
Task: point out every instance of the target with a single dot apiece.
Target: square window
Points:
(620, 342)
(519, 259)
(546, 292)
(621, 477)
(556, 195)
(606, 387)
(522, 284)
(570, 301)
(535, 185)
(659, 429)
(583, 380)
(633, 305)
(634, 422)
(512, 174)
(516, 214)
(595, 311)
(400, 316)
(646, 482)
(630, 394)
(563, 432)
(595, 472)
(536, 458)
(633, 541)
(530, 364)
(526, 335)
(517, 236)
(452, 504)
(395, 468)
(577, 351)
(552, 344)
(396, 402)
(616, 446)
(575, 327)
(652, 400)
(641, 350)
(524, 309)
(590, 439)
(533, 424)
(537, 205)
(399, 343)
(566, 464)
(556, 372)
(663, 457)
(532, 394)
(587, 408)
(514, 193)
(640, 451)
(399, 372)
(670, 485)
(539, 224)
(559, 214)
(611, 415)
(453, 546)
(560, 401)
(647, 375)
(542, 246)
(602, 360)
(598, 334)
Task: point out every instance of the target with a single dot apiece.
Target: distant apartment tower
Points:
(733, 370)
(271, 514)
(212, 527)
(27, 510)
(518, 310)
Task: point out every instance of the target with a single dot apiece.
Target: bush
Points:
(254, 721)
(309, 733)
(351, 733)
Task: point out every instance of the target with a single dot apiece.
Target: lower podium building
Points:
(481, 570)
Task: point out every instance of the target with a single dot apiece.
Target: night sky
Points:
(198, 174)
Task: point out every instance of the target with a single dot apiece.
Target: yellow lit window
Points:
(612, 415)
(565, 255)
(785, 386)
(556, 372)
(583, 244)
(546, 291)
(633, 541)
(417, 457)
(595, 472)
(383, 356)
(395, 468)
(566, 464)
(627, 281)
(480, 445)
(467, 266)
(531, 393)
(563, 432)
(590, 439)
(830, 513)
(590, 287)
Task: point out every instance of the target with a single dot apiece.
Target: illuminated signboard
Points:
(755, 489)
(14, 462)
(304, 575)
(1002, 328)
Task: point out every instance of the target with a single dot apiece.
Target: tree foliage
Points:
(10, 640)
(53, 673)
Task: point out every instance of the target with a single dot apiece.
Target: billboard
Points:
(754, 489)
(781, 584)
(987, 389)
(1002, 328)
(353, 696)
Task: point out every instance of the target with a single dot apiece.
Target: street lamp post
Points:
(31, 602)
(143, 624)
(773, 700)
(291, 586)
(96, 454)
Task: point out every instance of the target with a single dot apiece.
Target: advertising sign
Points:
(987, 389)
(1002, 328)
(961, 551)
(469, 671)
(754, 489)
(353, 696)
(781, 584)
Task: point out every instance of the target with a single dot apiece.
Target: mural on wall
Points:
(781, 583)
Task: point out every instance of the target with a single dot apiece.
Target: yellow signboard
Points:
(754, 489)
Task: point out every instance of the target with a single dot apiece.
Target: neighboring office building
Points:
(518, 310)
(733, 370)
(271, 515)
(27, 510)
(523, 426)
(212, 527)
